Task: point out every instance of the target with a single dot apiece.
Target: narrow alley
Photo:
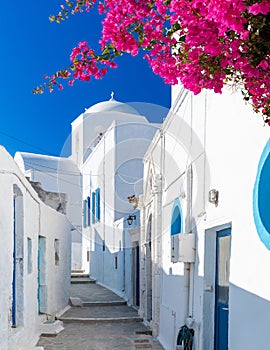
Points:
(98, 319)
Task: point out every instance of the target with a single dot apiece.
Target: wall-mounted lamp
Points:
(213, 196)
(130, 219)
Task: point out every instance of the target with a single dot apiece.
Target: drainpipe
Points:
(187, 278)
(142, 309)
(190, 266)
(124, 260)
(104, 207)
(157, 191)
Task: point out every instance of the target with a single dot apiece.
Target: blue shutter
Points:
(88, 211)
(84, 213)
(97, 204)
(29, 255)
(93, 207)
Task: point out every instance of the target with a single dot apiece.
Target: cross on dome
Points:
(112, 96)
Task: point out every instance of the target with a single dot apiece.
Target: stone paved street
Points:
(92, 293)
(88, 328)
(79, 336)
(100, 312)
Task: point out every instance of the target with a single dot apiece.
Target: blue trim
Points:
(88, 210)
(97, 204)
(261, 197)
(29, 255)
(93, 207)
(176, 218)
(221, 308)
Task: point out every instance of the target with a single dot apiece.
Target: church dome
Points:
(112, 106)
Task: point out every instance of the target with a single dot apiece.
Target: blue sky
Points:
(31, 46)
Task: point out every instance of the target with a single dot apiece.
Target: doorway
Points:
(42, 288)
(18, 261)
(223, 249)
(136, 274)
(148, 256)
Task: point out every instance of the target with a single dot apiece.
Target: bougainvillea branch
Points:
(202, 44)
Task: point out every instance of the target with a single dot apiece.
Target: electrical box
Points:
(183, 247)
(186, 247)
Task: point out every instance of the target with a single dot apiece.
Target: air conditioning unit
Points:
(183, 247)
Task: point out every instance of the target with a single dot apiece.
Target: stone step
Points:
(77, 302)
(113, 313)
(80, 275)
(103, 303)
(77, 271)
(81, 280)
(101, 319)
(51, 328)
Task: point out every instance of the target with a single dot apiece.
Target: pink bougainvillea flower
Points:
(201, 44)
(263, 64)
(262, 7)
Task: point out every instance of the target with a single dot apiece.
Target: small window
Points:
(176, 228)
(56, 252)
(88, 256)
(116, 262)
(261, 200)
(29, 255)
(97, 204)
(88, 211)
(93, 207)
(84, 212)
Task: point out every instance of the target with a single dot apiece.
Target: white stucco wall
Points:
(59, 175)
(233, 151)
(38, 220)
(223, 140)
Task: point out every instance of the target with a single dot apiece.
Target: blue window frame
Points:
(93, 207)
(176, 220)
(97, 204)
(176, 228)
(84, 212)
(88, 210)
(261, 197)
(29, 255)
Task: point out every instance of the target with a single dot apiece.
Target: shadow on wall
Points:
(107, 261)
(177, 304)
(249, 320)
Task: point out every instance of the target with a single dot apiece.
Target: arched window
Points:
(176, 228)
(261, 197)
(176, 219)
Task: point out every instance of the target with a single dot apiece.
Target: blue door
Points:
(42, 288)
(223, 247)
(137, 278)
(18, 255)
